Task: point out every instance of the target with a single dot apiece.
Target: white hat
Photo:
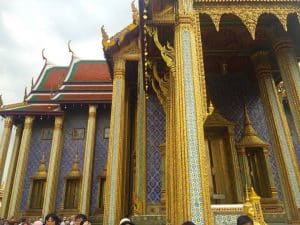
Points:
(124, 220)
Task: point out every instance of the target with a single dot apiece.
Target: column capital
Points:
(282, 44)
(58, 122)
(261, 64)
(8, 122)
(119, 68)
(28, 122)
(92, 110)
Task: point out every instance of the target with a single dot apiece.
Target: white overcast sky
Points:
(28, 26)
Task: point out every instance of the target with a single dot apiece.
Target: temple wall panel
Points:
(155, 137)
(293, 131)
(100, 154)
(38, 145)
(230, 93)
(78, 120)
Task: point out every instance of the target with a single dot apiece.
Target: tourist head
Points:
(244, 220)
(188, 223)
(52, 219)
(79, 218)
(126, 221)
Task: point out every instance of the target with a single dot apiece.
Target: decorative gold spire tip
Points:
(135, 13)
(105, 37)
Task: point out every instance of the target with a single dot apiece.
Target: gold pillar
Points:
(11, 173)
(282, 145)
(163, 171)
(86, 183)
(5, 143)
(115, 181)
(140, 148)
(192, 194)
(289, 69)
(53, 167)
(271, 177)
(17, 188)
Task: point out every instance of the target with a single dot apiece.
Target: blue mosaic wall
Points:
(155, 137)
(230, 94)
(293, 131)
(101, 148)
(73, 119)
(37, 147)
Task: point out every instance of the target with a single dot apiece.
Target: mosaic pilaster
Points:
(53, 168)
(197, 209)
(113, 201)
(279, 131)
(11, 173)
(88, 161)
(20, 170)
(5, 143)
(140, 148)
(290, 73)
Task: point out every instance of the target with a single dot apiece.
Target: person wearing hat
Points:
(126, 221)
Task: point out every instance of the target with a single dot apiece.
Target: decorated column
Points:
(140, 148)
(5, 143)
(282, 144)
(84, 206)
(17, 188)
(11, 173)
(53, 167)
(192, 194)
(289, 69)
(114, 186)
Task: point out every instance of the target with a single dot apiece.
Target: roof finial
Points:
(1, 101)
(70, 50)
(25, 94)
(44, 57)
(135, 13)
(32, 81)
(105, 37)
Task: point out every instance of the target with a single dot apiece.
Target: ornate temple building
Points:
(195, 111)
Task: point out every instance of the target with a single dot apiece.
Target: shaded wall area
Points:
(229, 94)
(155, 137)
(101, 149)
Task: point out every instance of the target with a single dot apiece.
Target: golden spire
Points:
(105, 37)
(211, 108)
(41, 171)
(249, 130)
(250, 137)
(75, 171)
(135, 13)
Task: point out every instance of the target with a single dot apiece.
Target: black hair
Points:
(244, 219)
(81, 216)
(188, 223)
(54, 217)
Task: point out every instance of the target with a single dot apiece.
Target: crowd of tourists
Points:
(81, 219)
(50, 219)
